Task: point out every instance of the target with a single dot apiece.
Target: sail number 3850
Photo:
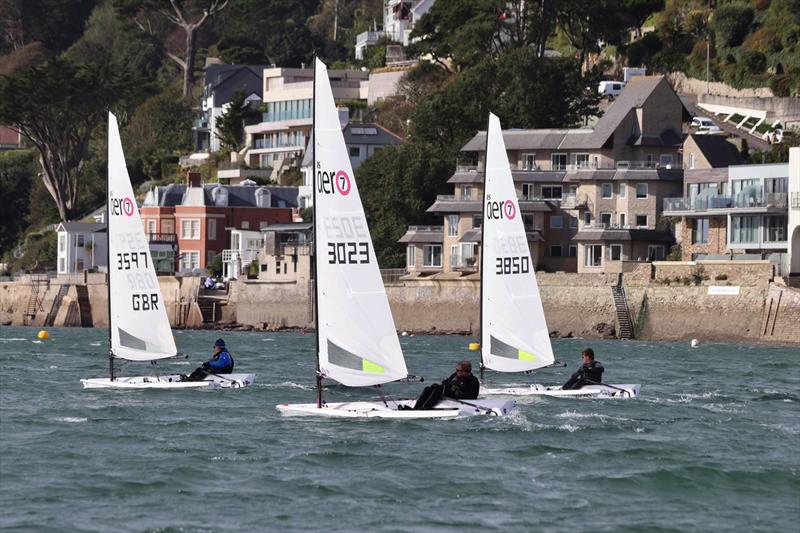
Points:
(348, 253)
(512, 265)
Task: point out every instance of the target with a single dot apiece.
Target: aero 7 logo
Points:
(504, 209)
(333, 182)
(120, 206)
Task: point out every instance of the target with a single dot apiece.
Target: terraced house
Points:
(591, 198)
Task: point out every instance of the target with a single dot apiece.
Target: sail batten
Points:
(138, 321)
(358, 344)
(513, 327)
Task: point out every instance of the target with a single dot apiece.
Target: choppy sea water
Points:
(712, 445)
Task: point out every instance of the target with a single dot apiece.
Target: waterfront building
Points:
(282, 253)
(750, 214)
(196, 217)
(278, 142)
(590, 197)
(399, 17)
(793, 229)
(221, 83)
(81, 246)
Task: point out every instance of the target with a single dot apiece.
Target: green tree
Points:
(54, 23)
(56, 107)
(731, 23)
(230, 126)
(397, 185)
(17, 174)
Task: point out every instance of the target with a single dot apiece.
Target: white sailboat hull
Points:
(587, 391)
(389, 409)
(170, 381)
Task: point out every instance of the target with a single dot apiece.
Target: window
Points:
(616, 252)
(432, 255)
(622, 190)
(641, 220)
(78, 265)
(573, 222)
(558, 161)
(245, 224)
(527, 222)
(775, 228)
(151, 226)
(594, 255)
(605, 219)
(468, 253)
(355, 151)
(622, 220)
(454, 259)
(700, 231)
(527, 191)
(772, 185)
(476, 221)
(212, 229)
(587, 218)
(556, 222)
(691, 161)
(452, 225)
(466, 192)
(573, 250)
(190, 260)
(62, 242)
(666, 160)
(555, 250)
(190, 229)
(582, 160)
(641, 190)
(528, 161)
(168, 226)
(655, 252)
(62, 264)
(608, 191)
(80, 240)
(551, 192)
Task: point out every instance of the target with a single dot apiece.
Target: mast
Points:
(483, 233)
(314, 226)
(108, 264)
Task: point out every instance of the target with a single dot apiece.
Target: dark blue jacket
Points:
(221, 363)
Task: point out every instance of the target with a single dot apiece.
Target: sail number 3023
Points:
(348, 253)
(512, 265)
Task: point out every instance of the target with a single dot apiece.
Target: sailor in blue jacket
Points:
(221, 362)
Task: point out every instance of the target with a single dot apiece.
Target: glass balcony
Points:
(745, 200)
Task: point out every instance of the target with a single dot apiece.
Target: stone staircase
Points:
(623, 314)
(84, 306)
(211, 302)
(56, 307)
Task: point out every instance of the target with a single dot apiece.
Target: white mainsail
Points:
(358, 344)
(513, 329)
(140, 329)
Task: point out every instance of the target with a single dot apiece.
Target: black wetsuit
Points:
(466, 388)
(587, 374)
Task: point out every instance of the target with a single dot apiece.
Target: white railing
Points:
(245, 256)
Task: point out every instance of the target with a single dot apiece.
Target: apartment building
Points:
(280, 139)
(195, 218)
(590, 198)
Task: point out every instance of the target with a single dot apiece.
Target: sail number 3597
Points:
(348, 253)
(512, 265)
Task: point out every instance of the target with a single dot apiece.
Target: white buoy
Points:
(695, 343)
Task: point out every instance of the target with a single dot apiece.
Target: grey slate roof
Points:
(226, 80)
(238, 195)
(635, 94)
(645, 235)
(462, 206)
(424, 235)
(85, 227)
(369, 133)
(519, 176)
(476, 235)
(661, 174)
(294, 227)
(717, 150)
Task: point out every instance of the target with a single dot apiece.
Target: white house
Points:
(82, 246)
(245, 246)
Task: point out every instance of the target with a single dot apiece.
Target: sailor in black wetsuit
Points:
(461, 385)
(589, 373)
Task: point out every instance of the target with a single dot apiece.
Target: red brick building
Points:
(189, 223)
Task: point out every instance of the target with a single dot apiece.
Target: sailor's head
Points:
(219, 345)
(463, 368)
(587, 355)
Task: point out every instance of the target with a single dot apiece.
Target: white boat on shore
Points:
(139, 328)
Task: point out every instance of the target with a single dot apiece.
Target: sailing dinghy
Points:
(139, 329)
(514, 334)
(357, 343)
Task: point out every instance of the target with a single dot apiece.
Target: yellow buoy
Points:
(474, 346)
(43, 335)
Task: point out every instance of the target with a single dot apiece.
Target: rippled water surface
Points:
(712, 445)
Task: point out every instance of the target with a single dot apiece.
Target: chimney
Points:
(193, 179)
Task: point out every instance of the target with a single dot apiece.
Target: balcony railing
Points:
(445, 197)
(245, 256)
(162, 238)
(796, 200)
(574, 201)
(432, 229)
(741, 200)
(608, 225)
(269, 143)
